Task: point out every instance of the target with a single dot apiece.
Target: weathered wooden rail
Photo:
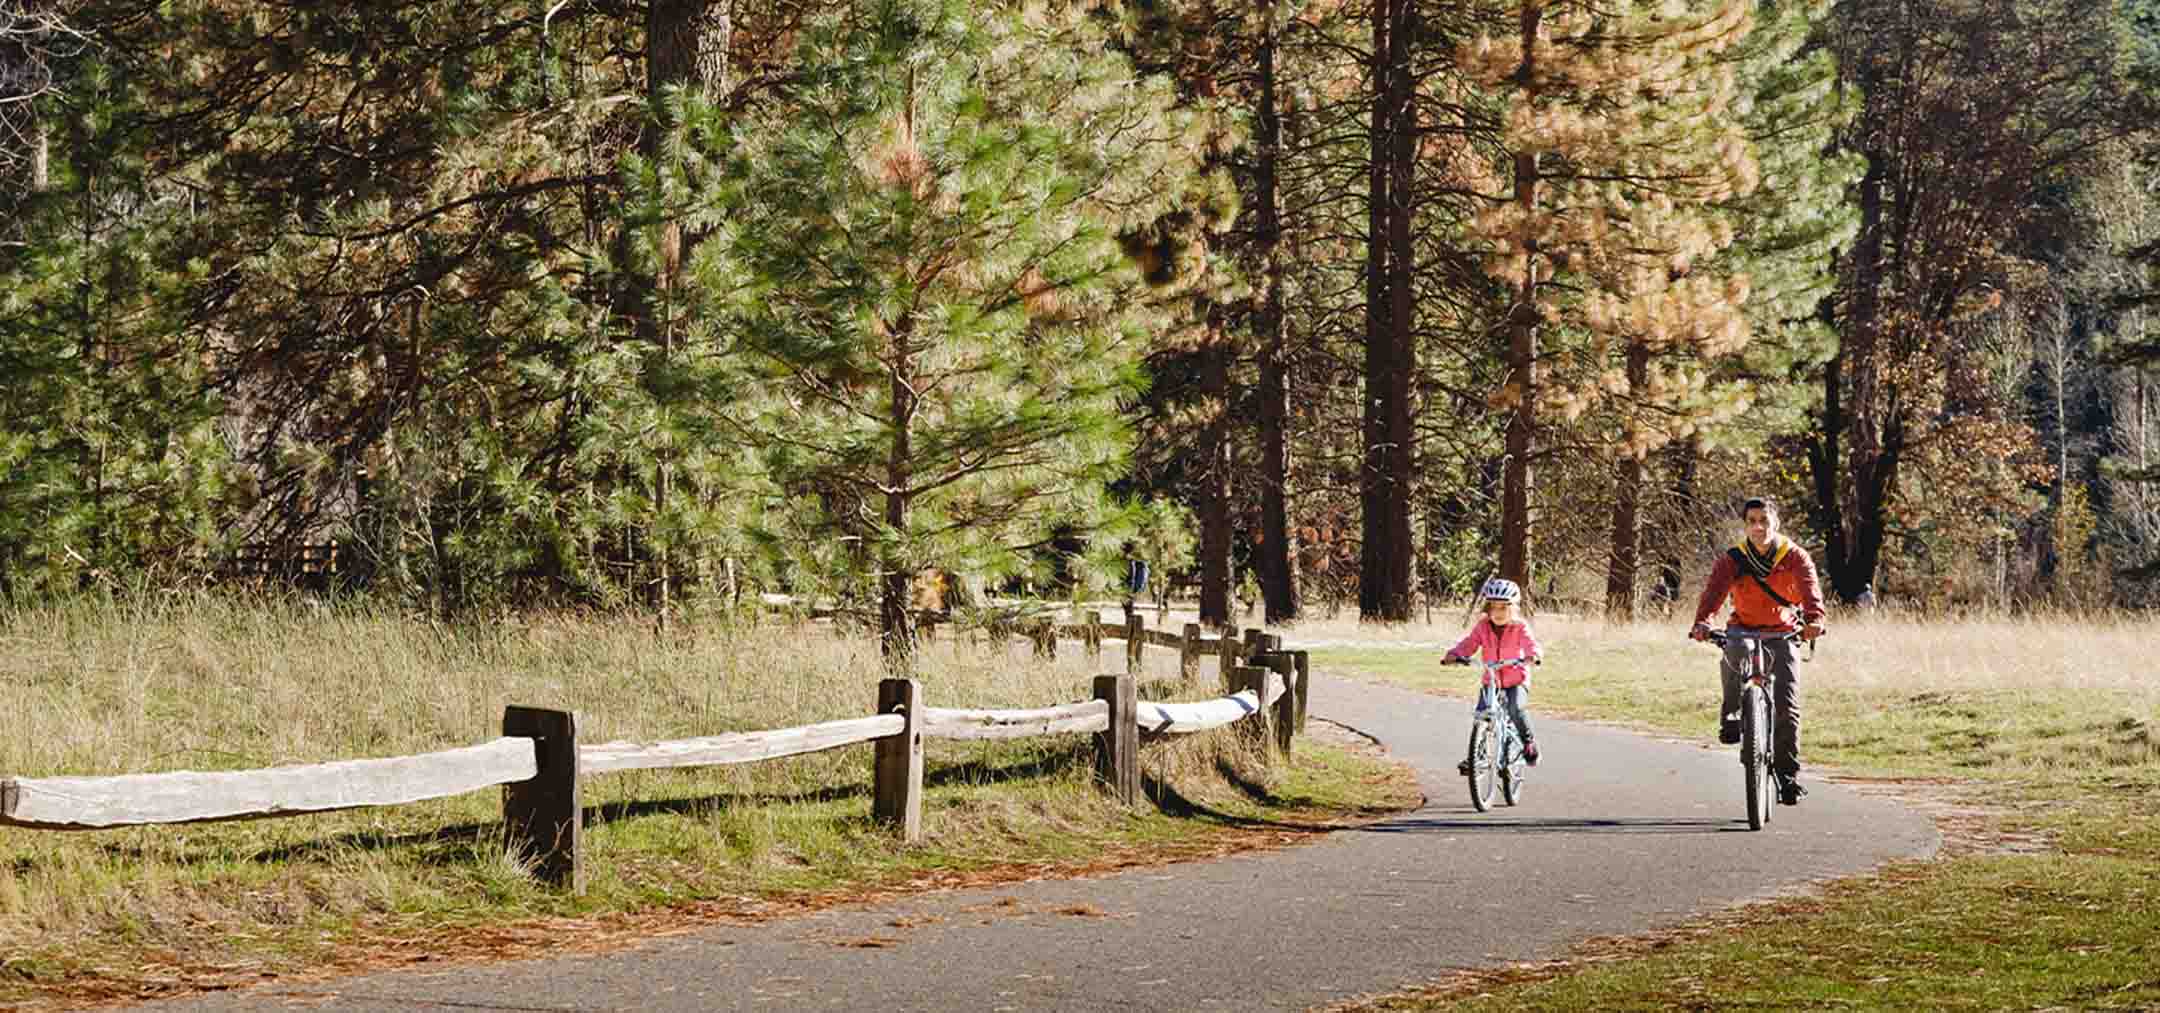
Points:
(539, 761)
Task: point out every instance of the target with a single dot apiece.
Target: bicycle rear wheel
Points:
(1484, 761)
(1755, 755)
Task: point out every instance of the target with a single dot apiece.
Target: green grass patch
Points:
(206, 685)
(2017, 721)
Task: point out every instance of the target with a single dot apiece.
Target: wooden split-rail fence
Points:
(539, 761)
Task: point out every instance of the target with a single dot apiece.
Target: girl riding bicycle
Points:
(1503, 635)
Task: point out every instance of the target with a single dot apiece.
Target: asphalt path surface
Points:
(1617, 833)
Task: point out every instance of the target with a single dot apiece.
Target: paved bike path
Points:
(1618, 833)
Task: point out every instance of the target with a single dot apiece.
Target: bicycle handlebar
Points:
(1719, 637)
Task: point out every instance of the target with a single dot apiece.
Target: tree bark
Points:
(1371, 494)
(1278, 580)
(40, 153)
(896, 632)
(686, 42)
(1401, 570)
(1215, 491)
(1515, 521)
(1627, 509)
(1853, 409)
(1685, 456)
(1387, 563)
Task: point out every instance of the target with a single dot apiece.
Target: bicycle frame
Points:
(1758, 734)
(1504, 763)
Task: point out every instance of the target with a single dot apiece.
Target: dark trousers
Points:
(1784, 695)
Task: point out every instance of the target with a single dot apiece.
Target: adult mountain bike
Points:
(1496, 763)
(1758, 733)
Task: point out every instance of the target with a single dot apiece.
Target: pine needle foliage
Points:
(915, 262)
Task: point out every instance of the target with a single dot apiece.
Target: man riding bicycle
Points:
(1773, 587)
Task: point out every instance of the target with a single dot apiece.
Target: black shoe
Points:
(1790, 791)
(1463, 768)
(1728, 732)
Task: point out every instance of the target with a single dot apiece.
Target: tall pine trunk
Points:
(1515, 522)
(896, 633)
(1371, 508)
(1627, 509)
(1215, 489)
(1278, 580)
(1387, 570)
(1684, 457)
(1401, 570)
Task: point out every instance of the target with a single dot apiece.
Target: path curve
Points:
(1618, 834)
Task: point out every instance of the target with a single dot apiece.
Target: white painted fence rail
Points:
(735, 747)
(1186, 718)
(186, 796)
(957, 723)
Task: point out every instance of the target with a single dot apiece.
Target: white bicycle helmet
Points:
(1502, 589)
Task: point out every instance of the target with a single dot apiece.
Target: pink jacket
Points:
(1500, 644)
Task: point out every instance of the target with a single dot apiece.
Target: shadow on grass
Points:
(1170, 801)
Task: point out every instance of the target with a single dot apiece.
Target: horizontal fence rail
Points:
(953, 723)
(736, 747)
(538, 760)
(186, 796)
(1184, 718)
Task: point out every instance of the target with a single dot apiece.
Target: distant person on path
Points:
(1503, 635)
(1773, 588)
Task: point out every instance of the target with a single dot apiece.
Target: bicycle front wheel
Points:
(1755, 755)
(1511, 770)
(1484, 762)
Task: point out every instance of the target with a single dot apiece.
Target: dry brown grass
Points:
(206, 683)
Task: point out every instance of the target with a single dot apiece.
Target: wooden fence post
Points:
(1093, 636)
(1253, 642)
(899, 777)
(1135, 641)
(1117, 748)
(1188, 658)
(543, 818)
(1285, 713)
(1303, 660)
(1253, 730)
(1226, 662)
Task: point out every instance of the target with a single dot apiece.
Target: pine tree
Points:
(109, 463)
(1787, 233)
(920, 253)
(1622, 137)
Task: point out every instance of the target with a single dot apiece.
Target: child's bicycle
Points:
(1496, 755)
(1758, 734)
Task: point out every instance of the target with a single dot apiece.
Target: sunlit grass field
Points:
(2043, 725)
(198, 683)
(1884, 696)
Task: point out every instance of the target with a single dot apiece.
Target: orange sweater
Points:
(1793, 576)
